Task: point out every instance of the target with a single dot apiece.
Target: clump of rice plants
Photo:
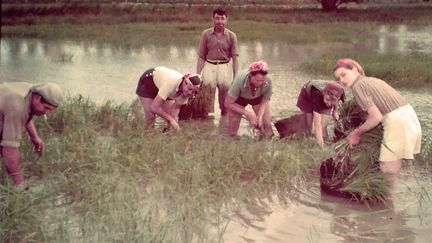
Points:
(354, 172)
(197, 107)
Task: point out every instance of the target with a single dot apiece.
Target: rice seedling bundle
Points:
(354, 172)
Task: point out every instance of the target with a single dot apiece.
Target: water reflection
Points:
(84, 67)
(404, 38)
(309, 216)
(104, 71)
(358, 223)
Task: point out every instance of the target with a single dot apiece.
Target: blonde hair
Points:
(350, 64)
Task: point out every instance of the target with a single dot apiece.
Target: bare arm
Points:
(157, 108)
(374, 118)
(261, 110)
(235, 66)
(175, 111)
(38, 144)
(318, 128)
(200, 65)
(335, 111)
(232, 106)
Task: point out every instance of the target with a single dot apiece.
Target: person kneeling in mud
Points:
(318, 99)
(162, 91)
(250, 87)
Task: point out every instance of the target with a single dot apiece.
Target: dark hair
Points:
(195, 79)
(253, 73)
(219, 11)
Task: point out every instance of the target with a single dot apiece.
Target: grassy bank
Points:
(407, 71)
(103, 178)
(134, 34)
(116, 13)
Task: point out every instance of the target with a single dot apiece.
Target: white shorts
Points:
(402, 135)
(215, 75)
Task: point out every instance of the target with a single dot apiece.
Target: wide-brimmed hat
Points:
(51, 92)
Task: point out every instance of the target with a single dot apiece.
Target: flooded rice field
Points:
(104, 72)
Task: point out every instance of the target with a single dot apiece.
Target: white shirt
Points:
(168, 81)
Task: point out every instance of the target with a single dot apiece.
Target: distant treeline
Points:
(29, 12)
(222, 2)
(212, 2)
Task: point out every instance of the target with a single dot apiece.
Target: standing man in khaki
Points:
(217, 50)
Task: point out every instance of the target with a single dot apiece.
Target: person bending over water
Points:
(318, 99)
(402, 131)
(250, 87)
(19, 102)
(162, 91)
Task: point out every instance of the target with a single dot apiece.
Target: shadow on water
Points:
(104, 72)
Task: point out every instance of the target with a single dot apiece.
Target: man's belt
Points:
(218, 62)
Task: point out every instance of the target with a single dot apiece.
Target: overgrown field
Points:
(103, 178)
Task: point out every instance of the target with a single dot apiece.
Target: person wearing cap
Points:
(19, 102)
(318, 99)
(250, 87)
(217, 53)
(402, 131)
(162, 91)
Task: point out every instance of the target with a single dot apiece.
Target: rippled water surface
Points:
(104, 72)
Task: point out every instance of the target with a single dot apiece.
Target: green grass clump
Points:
(399, 70)
(104, 178)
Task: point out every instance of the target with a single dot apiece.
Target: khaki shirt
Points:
(15, 101)
(369, 91)
(213, 48)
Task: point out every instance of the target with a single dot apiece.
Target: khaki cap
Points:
(51, 92)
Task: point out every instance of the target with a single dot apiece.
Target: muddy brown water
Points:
(103, 72)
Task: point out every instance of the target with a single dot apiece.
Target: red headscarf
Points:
(348, 63)
(259, 66)
(334, 87)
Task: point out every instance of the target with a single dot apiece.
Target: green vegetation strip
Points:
(13, 14)
(135, 34)
(408, 71)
